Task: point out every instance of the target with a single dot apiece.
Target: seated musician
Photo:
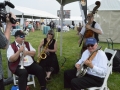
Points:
(48, 46)
(95, 30)
(20, 53)
(97, 68)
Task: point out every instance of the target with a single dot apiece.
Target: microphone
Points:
(9, 4)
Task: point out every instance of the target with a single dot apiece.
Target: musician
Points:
(50, 63)
(93, 26)
(4, 41)
(96, 71)
(21, 48)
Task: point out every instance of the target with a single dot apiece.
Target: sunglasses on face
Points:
(22, 36)
(88, 16)
(90, 45)
(50, 33)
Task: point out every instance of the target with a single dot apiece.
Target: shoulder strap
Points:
(95, 34)
(93, 24)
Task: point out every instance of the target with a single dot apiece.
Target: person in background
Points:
(50, 63)
(4, 42)
(73, 25)
(21, 53)
(29, 26)
(52, 25)
(17, 25)
(96, 72)
(79, 28)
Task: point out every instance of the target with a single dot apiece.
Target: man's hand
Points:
(12, 16)
(88, 26)
(21, 49)
(88, 63)
(77, 66)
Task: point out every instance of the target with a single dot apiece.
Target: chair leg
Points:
(33, 80)
(14, 79)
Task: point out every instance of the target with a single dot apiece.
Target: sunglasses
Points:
(88, 16)
(22, 36)
(50, 33)
(90, 45)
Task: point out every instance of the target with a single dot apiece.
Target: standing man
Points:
(4, 41)
(92, 29)
(52, 24)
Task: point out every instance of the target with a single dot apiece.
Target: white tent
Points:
(29, 13)
(108, 17)
(76, 19)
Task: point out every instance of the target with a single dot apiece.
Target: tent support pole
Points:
(61, 29)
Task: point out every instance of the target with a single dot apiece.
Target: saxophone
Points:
(43, 55)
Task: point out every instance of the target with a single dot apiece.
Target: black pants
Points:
(2, 85)
(71, 81)
(34, 69)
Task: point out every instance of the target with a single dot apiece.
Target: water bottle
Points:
(15, 87)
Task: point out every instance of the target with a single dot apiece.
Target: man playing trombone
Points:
(21, 62)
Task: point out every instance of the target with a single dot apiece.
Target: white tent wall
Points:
(109, 19)
(68, 21)
(110, 23)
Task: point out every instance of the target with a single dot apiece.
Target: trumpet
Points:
(43, 55)
(22, 58)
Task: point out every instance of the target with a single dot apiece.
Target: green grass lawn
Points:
(70, 50)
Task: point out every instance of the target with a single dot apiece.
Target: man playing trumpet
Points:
(22, 49)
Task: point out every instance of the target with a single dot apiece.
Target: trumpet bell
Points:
(22, 67)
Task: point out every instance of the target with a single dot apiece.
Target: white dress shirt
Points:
(99, 63)
(27, 59)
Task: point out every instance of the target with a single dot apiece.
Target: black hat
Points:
(19, 33)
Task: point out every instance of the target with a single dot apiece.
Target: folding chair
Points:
(110, 65)
(104, 86)
(110, 53)
(31, 80)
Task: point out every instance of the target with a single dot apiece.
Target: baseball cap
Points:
(19, 33)
(91, 40)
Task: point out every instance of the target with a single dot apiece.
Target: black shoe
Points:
(44, 89)
(48, 79)
(51, 69)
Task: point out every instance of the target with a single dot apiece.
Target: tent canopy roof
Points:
(64, 2)
(107, 5)
(29, 12)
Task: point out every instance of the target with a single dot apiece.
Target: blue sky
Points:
(50, 6)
